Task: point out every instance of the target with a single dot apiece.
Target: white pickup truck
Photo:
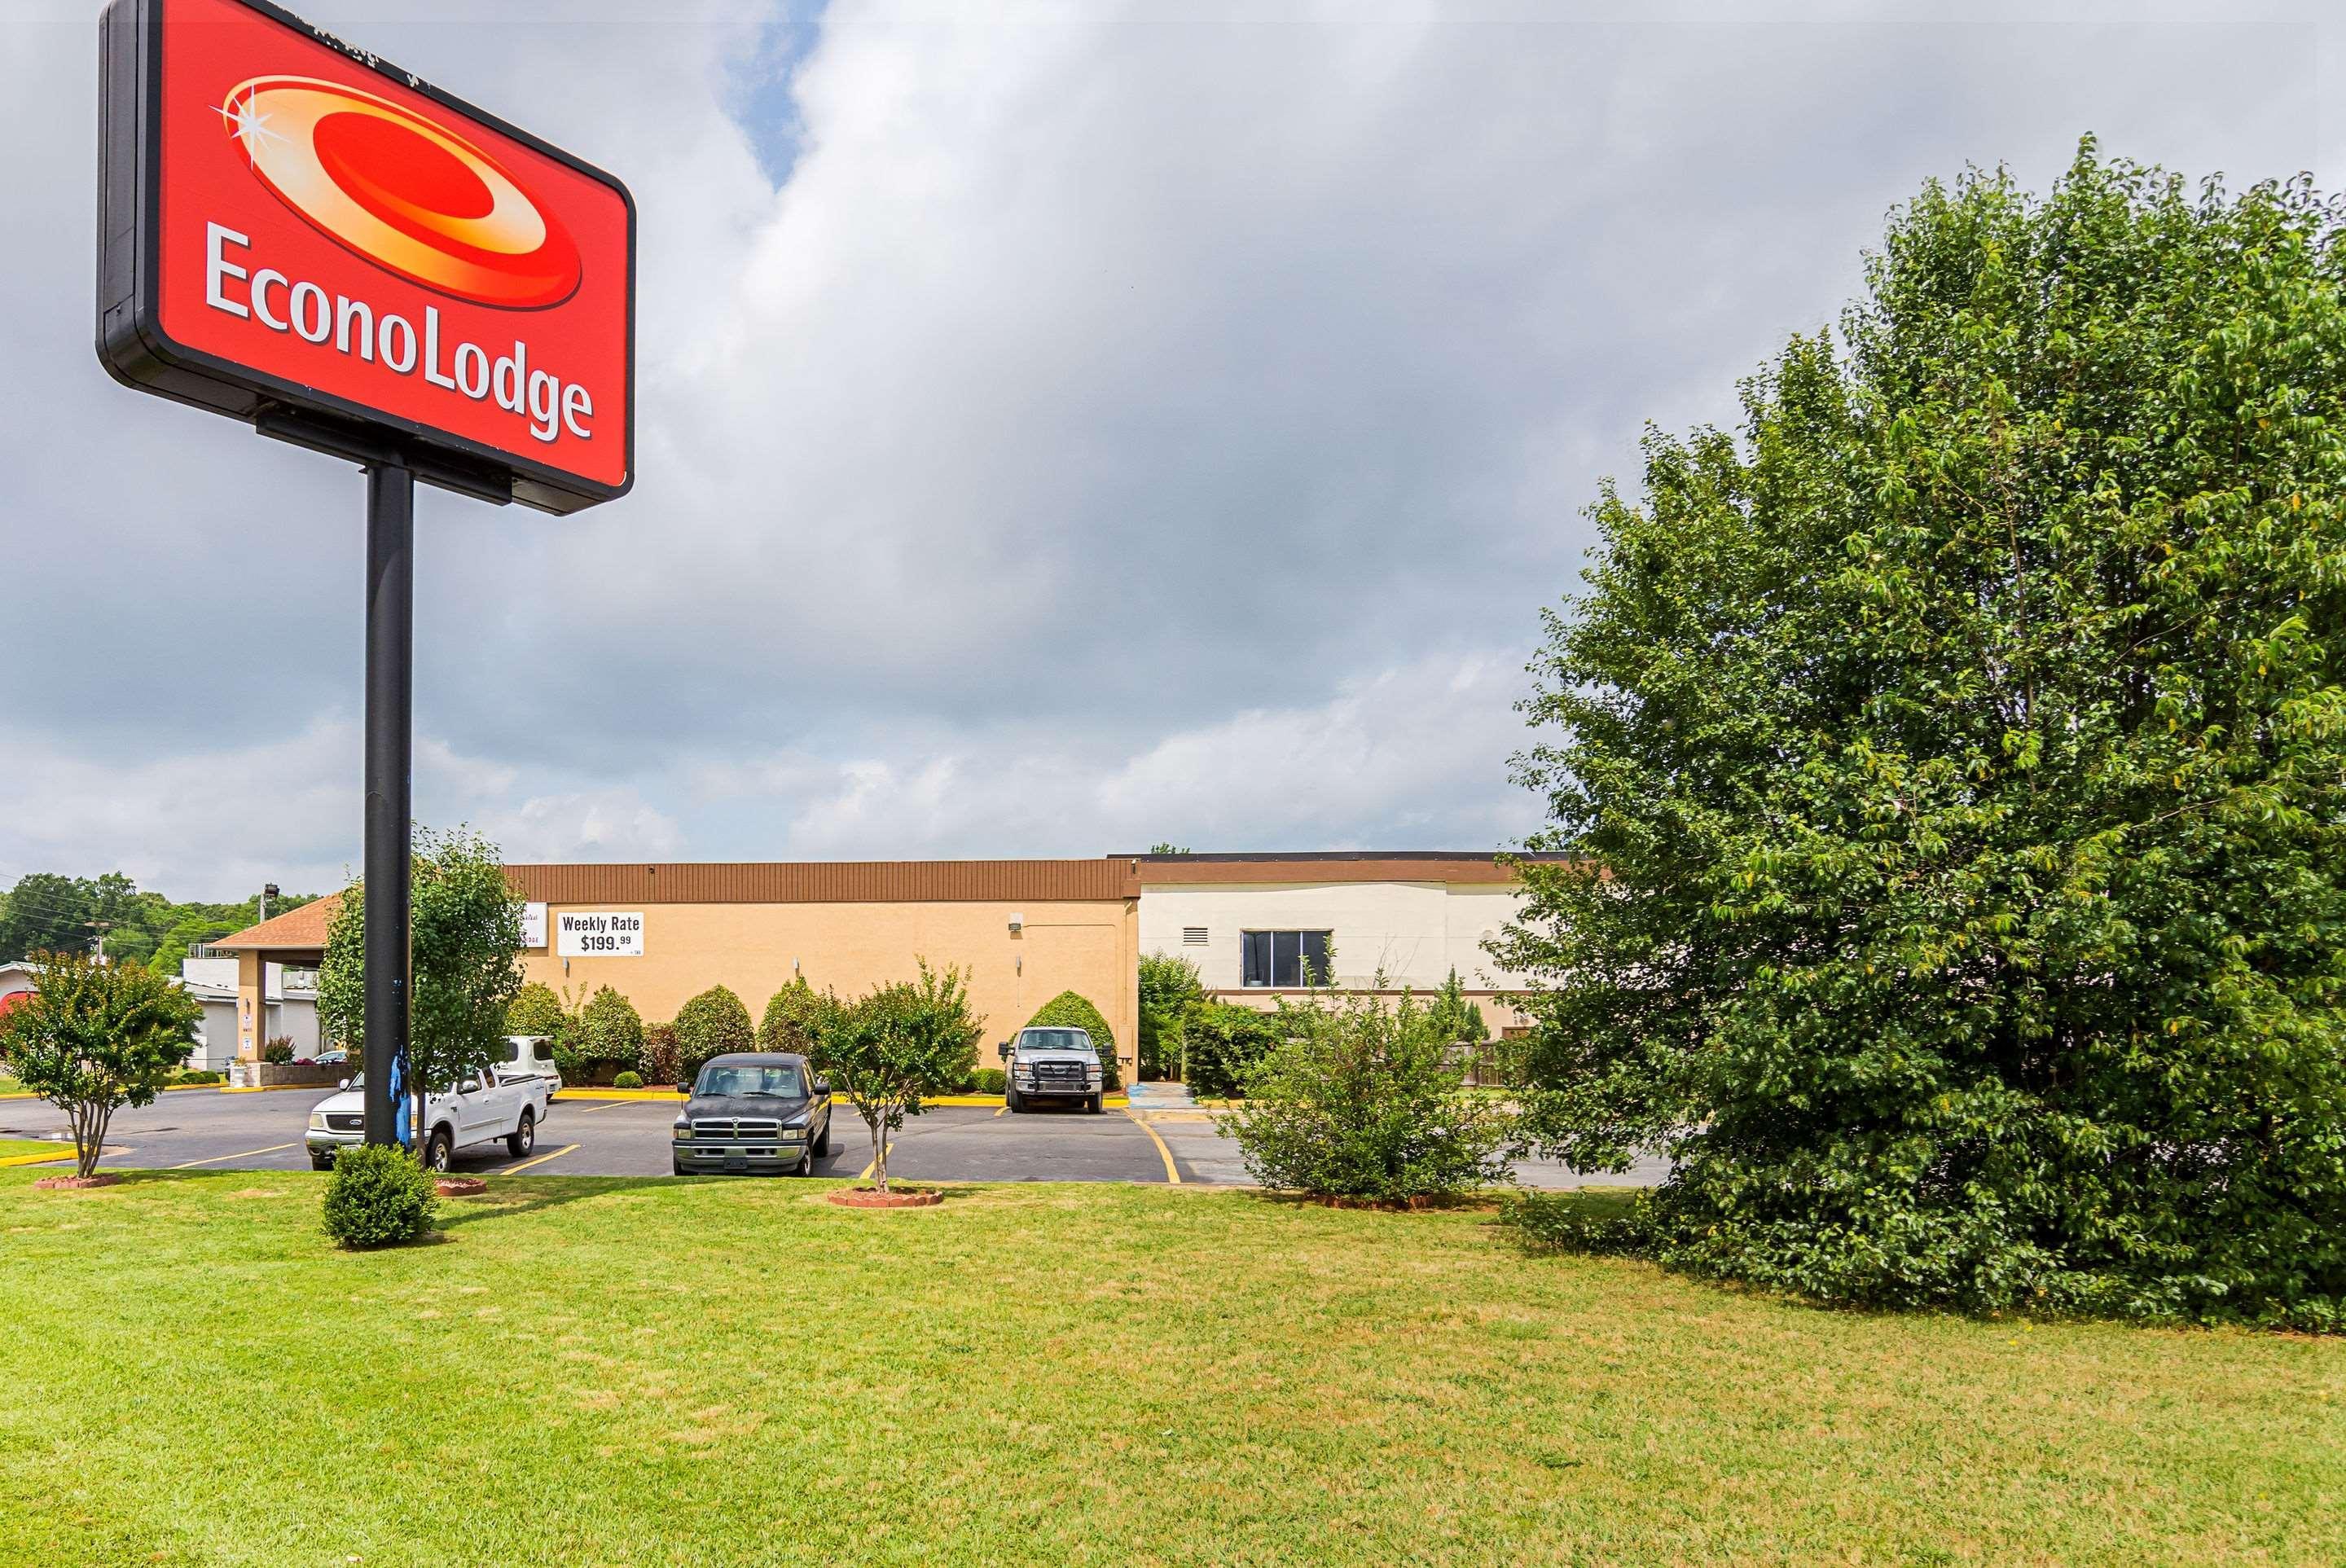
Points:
(490, 1106)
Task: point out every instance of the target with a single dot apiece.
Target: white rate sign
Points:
(600, 933)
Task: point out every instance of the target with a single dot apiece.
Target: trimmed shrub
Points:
(1069, 1011)
(198, 1076)
(987, 1081)
(789, 1023)
(1223, 1041)
(611, 1031)
(278, 1053)
(378, 1196)
(537, 1011)
(628, 1081)
(1168, 986)
(1361, 1101)
(659, 1052)
(711, 1024)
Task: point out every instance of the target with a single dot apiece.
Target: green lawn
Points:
(11, 1148)
(605, 1372)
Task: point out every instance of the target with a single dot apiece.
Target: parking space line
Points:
(606, 1105)
(247, 1154)
(540, 1160)
(1172, 1174)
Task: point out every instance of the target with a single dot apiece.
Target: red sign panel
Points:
(302, 235)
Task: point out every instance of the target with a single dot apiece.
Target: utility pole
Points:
(267, 892)
(101, 927)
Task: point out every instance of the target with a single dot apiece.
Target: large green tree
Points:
(464, 959)
(1957, 762)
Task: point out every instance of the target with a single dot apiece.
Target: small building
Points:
(289, 1009)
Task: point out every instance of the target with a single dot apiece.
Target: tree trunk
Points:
(89, 1139)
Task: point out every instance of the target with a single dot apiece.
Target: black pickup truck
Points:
(754, 1111)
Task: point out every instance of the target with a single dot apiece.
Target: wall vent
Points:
(1193, 936)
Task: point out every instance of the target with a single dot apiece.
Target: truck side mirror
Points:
(1005, 1050)
(345, 1085)
(823, 1085)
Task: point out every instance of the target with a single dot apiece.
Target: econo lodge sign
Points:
(298, 233)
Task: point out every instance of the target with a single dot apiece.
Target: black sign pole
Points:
(389, 697)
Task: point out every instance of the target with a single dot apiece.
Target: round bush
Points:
(988, 1080)
(1069, 1011)
(610, 1030)
(536, 1009)
(711, 1024)
(628, 1081)
(789, 1023)
(378, 1196)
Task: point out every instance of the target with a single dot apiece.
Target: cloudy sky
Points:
(1062, 427)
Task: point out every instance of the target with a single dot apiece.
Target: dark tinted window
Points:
(1284, 958)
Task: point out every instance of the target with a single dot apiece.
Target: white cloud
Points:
(1113, 429)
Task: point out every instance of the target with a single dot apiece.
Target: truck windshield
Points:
(1055, 1040)
(776, 1082)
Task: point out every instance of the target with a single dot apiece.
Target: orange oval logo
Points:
(410, 196)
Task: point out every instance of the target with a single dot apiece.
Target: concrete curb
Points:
(65, 1152)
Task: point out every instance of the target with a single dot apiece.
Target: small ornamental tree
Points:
(611, 1032)
(92, 1037)
(711, 1024)
(1455, 1018)
(1069, 1011)
(890, 1050)
(1168, 985)
(1361, 1100)
(789, 1023)
(1950, 764)
(464, 961)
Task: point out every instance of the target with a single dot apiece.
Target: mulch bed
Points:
(74, 1182)
(460, 1186)
(872, 1197)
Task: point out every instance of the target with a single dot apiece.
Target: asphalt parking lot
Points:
(201, 1129)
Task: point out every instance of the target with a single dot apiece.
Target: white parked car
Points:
(478, 1110)
(531, 1056)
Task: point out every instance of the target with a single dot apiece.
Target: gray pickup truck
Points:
(1051, 1064)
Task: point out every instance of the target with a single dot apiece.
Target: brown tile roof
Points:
(302, 929)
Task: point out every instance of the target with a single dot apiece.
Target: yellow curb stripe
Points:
(1172, 1173)
(248, 1153)
(260, 1088)
(167, 1088)
(66, 1154)
(540, 1160)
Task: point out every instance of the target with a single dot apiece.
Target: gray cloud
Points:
(1123, 422)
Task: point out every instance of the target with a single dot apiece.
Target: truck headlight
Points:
(681, 1131)
(317, 1121)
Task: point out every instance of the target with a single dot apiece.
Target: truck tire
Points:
(679, 1166)
(1094, 1104)
(321, 1161)
(439, 1149)
(1009, 1100)
(821, 1148)
(523, 1137)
